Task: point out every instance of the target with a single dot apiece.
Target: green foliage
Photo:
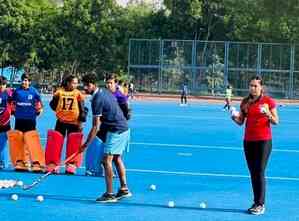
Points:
(79, 36)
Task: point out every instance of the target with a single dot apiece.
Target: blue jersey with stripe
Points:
(25, 100)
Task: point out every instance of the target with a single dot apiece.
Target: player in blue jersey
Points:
(5, 111)
(107, 113)
(25, 148)
(94, 153)
(26, 98)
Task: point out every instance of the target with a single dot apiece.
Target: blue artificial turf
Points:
(192, 154)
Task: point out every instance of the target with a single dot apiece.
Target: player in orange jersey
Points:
(68, 103)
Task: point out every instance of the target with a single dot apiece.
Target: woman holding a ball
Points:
(258, 111)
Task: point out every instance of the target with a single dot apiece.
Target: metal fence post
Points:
(259, 59)
(193, 68)
(129, 57)
(160, 66)
(291, 73)
(226, 55)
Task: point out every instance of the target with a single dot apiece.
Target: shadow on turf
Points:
(209, 209)
(122, 203)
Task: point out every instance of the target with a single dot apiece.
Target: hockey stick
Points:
(41, 178)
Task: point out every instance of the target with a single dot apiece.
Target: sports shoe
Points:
(2, 165)
(107, 198)
(257, 209)
(123, 193)
(36, 168)
(20, 166)
(70, 169)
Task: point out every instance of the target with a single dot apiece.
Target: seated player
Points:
(25, 147)
(68, 103)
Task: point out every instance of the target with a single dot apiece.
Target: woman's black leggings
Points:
(257, 154)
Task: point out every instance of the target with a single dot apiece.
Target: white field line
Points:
(220, 117)
(200, 174)
(165, 145)
(209, 174)
(203, 147)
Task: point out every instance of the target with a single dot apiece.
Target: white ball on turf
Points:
(171, 204)
(152, 187)
(20, 183)
(39, 198)
(14, 197)
(203, 205)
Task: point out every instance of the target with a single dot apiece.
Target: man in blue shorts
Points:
(107, 114)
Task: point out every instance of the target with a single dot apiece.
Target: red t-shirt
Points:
(257, 124)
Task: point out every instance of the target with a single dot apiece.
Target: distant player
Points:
(5, 111)
(120, 83)
(107, 112)
(228, 97)
(184, 93)
(25, 148)
(68, 104)
(126, 89)
(131, 90)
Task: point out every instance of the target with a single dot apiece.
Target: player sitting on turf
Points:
(68, 103)
(5, 111)
(24, 142)
(107, 112)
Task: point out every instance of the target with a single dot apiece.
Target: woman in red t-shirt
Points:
(258, 111)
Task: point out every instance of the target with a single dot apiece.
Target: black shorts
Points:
(65, 128)
(25, 125)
